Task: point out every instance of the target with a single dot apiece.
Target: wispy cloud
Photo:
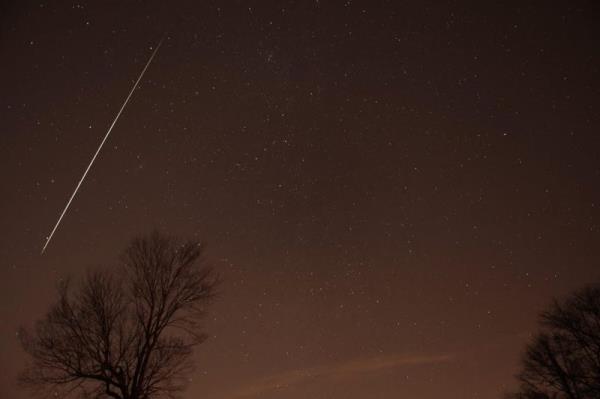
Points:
(337, 371)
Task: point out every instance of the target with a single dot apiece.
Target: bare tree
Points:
(127, 334)
(563, 360)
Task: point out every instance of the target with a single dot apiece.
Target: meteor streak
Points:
(100, 147)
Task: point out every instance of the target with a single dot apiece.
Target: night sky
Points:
(391, 190)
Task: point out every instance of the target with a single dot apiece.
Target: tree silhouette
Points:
(563, 360)
(126, 334)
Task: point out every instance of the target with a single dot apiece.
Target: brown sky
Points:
(391, 190)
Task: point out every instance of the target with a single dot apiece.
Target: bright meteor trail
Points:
(101, 144)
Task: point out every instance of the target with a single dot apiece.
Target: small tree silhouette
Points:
(127, 334)
(563, 360)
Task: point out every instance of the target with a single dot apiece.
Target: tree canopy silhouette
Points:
(126, 334)
(563, 360)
